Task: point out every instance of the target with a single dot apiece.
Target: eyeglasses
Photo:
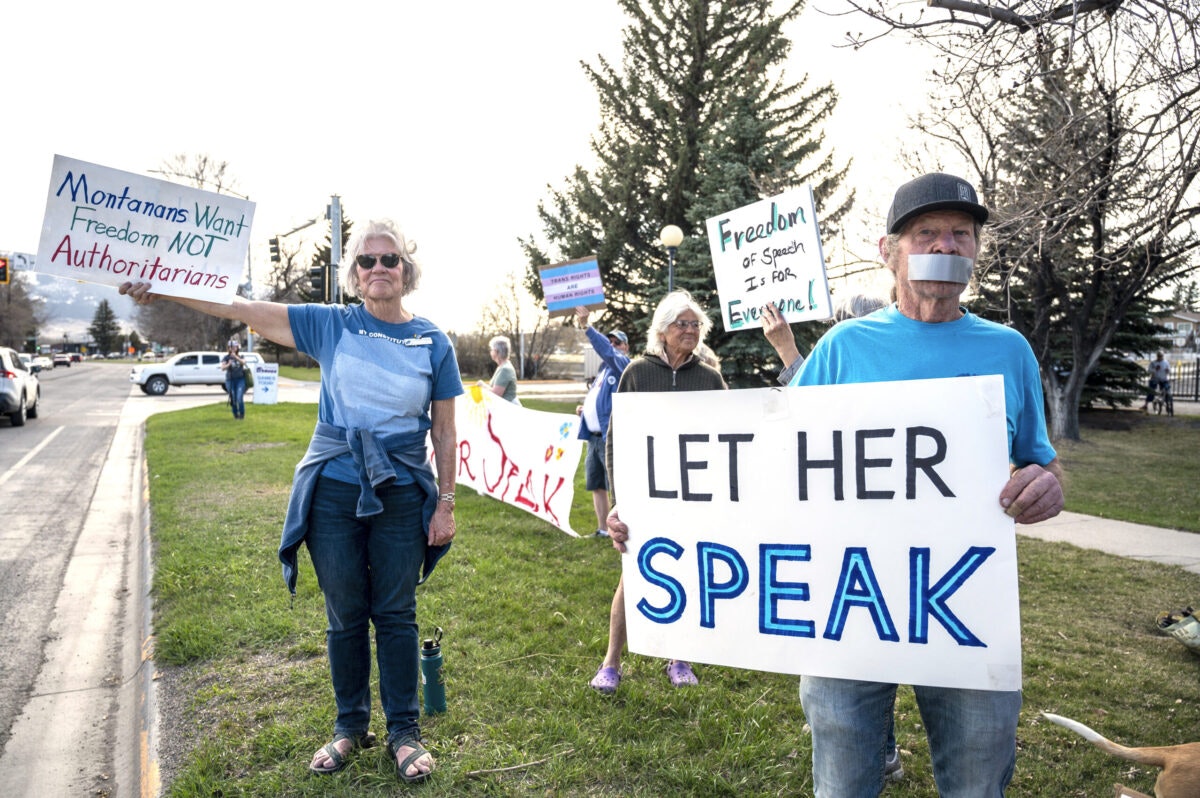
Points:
(389, 261)
(684, 324)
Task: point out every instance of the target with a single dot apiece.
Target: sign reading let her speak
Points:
(110, 227)
(851, 531)
(769, 252)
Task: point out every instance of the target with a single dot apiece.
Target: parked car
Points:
(20, 391)
(62, 359)
(186, 368)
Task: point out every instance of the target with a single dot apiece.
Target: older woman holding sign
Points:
(670, 363)
(364, 499)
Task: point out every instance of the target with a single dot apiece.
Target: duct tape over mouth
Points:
(947, 268)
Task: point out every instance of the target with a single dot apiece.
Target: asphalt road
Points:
(55, 639)
(77, 696)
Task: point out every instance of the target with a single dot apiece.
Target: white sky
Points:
(451, 118)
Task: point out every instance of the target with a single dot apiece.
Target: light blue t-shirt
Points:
(374, 375)
(888, 346)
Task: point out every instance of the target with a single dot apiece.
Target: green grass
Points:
(524, 608)
(300, 373)
(1136, 468)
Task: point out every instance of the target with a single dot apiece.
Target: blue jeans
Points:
(237, 393)
(368, 570)
(972, 737)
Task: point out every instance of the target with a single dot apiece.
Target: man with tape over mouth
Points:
(931, 246)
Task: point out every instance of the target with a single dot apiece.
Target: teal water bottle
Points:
(431, 674)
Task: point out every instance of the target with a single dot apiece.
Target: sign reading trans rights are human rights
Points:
(851, 531)
(107, 226)
(769, 252)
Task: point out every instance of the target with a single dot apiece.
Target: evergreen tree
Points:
(105, 330)
(698, 121)
(1185, 295)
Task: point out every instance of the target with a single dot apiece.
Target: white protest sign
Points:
(850, 531)
(770, 252)
(266, 383)
(109, 227)
(526, 458)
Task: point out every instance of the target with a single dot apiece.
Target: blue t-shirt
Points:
(888, 346)
(374, 375)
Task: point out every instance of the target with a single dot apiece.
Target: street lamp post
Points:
(671, 237)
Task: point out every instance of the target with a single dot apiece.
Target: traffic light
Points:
(3, 271)
(316, 278)
(274, 244)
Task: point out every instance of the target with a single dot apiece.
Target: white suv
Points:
(188, 368)
(20, 390)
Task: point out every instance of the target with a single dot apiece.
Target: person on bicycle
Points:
(1160, 374)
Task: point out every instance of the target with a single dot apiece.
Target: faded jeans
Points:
(236, 386)
(368, 570)
(972, 737)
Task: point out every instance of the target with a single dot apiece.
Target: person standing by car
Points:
(234, 366)
(364, 499)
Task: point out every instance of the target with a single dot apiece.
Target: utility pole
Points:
(334, 215)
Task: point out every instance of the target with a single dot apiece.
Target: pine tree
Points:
(105, 330)
(697, 121)
(1185, 295)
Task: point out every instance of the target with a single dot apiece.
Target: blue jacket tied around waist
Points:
(378, 460)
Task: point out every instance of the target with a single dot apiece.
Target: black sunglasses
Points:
(389, 261)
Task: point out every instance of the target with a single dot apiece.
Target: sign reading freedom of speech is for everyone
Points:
(107, 226)
(570, 284)
(770, 252)
(526, 458)
(849, 531)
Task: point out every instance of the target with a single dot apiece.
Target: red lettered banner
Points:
(526, 458)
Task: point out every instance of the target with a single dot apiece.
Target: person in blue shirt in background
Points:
(613, 350)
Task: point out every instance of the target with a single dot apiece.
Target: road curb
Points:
(138, 707)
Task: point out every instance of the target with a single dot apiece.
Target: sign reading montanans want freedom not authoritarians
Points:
(106, 226)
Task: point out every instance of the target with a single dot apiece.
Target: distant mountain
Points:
(69, 305)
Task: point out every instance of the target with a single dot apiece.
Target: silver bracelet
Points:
(447, 497)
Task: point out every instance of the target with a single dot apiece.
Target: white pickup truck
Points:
(186, 368)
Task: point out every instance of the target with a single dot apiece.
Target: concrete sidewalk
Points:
(1137, 541)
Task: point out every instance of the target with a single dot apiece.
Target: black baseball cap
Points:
(933, 192)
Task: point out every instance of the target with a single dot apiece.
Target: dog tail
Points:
(1145, 756)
